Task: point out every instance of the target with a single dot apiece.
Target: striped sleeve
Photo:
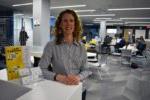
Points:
(84, 72)
(45, 61)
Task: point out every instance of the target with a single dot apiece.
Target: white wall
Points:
(29, 30)
(139, 33)
(17, 28)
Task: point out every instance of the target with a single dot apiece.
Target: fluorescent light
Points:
(103, 18)
(18, 14)
(138, 25)
(114, 23)
(122, 9)
(88, 10)
(23, 4)
(108, 20)
(135, 18)
(97, 15)
(110, 23)
(71, 6)
(138, 22)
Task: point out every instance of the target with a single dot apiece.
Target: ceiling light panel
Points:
(102, 18)
(123, 9)
(88, 10)
(117, 20)
(23, 4)
(135, 18)
(70, 6)
(96, 15)
(138, 22)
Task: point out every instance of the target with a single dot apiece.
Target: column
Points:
(41, 17)
(102, 30)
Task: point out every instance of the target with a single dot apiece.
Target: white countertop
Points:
(51, 90)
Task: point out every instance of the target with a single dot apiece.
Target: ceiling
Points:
(101, 7)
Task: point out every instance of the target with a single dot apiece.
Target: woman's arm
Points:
(45, 61)
(84, 71)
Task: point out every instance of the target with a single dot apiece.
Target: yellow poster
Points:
(14, 61)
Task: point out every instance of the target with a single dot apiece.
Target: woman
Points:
(65, 53)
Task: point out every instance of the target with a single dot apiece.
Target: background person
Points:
(23, 37)
(141, 45)
(65, 53)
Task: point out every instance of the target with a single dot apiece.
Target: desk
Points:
(89, 54)
(91, 57)
(51, 90)
(132, 48)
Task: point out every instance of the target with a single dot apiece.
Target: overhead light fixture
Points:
(110, 23)
(71, 6)
(137, 25)
(96, 15)
(23, 4)
(114, 23)
(122, 9)
(137, 22)
(117, 20)
(88, 10)
(102, 18)
(18, 14)
(135, 18)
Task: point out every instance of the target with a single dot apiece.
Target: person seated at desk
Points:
(141, 45)
(105, 48)
(106, 44)
(107, 39)
(66, 53)
(120, 44)
(142, 61)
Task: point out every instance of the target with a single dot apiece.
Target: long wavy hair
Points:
(58, 31)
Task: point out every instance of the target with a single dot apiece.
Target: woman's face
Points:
(67, 23)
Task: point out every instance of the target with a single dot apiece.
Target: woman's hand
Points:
(61, 78)
(69, 79)
(73, 79)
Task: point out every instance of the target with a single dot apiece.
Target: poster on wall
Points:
(14, 61)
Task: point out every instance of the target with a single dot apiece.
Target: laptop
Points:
(11, 91)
